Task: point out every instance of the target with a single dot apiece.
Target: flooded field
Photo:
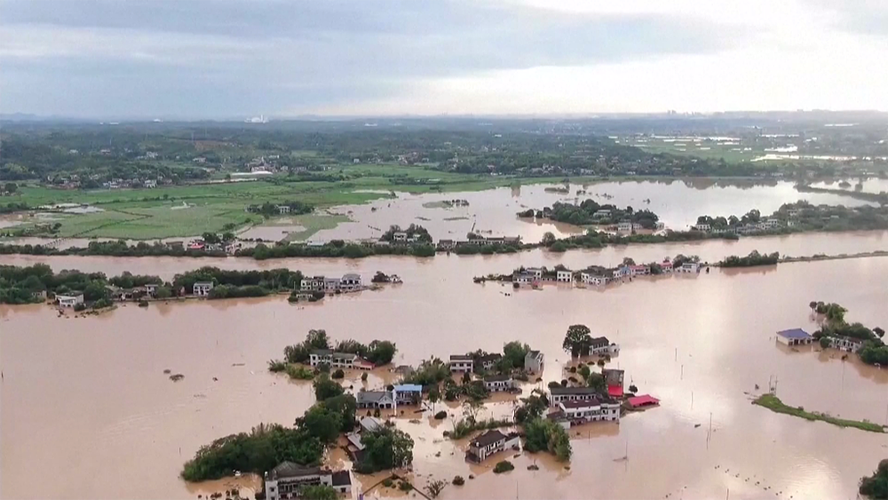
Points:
(86, 396)
(677, 202)
(870, 185)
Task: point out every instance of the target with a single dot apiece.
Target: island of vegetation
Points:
(79, 290)
(774, 404)
(589, 212)
(835, 332)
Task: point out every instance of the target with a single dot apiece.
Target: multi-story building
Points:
(490, 443)
(460, 363)
(590, 410)
(559, 395)
(498, 383)
(334, 359)
(285, 481)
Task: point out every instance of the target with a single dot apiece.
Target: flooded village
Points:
(699, 344)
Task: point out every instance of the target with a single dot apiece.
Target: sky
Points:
(288, 58)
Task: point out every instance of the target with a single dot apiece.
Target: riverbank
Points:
(774, 404)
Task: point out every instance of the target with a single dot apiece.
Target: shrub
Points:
(276, 366)
(143, 303)
(503, 466)
(364, 377)
(79, 307)
(405, 486)
(458, 480)
(338, 374)
(441, 415)
(387, 482)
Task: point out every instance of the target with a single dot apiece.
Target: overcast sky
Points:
(229, 58)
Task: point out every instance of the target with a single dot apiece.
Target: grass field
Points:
(773, 403)
(150, 213)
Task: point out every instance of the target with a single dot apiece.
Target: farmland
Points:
(189, 210)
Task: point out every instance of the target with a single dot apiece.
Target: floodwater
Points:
(87, 398)
(677, 202)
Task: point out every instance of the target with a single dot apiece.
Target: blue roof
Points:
(408, 388)
(795, 333)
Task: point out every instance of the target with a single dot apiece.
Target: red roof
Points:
(643, 400)
(615, 391)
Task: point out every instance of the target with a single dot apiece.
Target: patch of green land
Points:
(217, 207)
(773, 403)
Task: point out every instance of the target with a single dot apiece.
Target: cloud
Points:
(213, 58)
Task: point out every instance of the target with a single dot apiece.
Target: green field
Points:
(154, 213)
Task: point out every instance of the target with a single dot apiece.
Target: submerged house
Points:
(285, 480)
(490, 443)
(375, 400)
(795, 336)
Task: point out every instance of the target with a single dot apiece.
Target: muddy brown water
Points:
(87, 399)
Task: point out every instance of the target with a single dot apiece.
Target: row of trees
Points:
(413, 231)
(753, 259)
(269, 209)
(23, 285)
(833, 324)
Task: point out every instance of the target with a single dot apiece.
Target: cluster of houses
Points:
(765, 225)
(465, 363)
(338, 359)
(347, 283)
(799, 337)
(448, 244)
(598, 275)
(199, 244)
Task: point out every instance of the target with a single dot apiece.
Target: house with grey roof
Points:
(375, 399)
(285, 480)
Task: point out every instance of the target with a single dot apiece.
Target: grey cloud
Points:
(271, 54)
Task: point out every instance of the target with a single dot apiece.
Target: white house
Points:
(202, 288)
(375, 399)
(400, 236)
(490, 443)
(601, 213)
(69, 300)
(498, 383)
(624, 227)
(460, 363)
(666, 266)
(590, 410)
(331, 284)
(533, 361)
(559, 395)
(848, 344)
(601, 346)
(350, 282)
(334, 359)
(689, 267)
(151, 289)
(795, 336)
(536, 272)
(703, 227)
(563, 276)
(285, 480)
(524, 278)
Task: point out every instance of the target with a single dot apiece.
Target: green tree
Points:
(318, 492)
(163, 292)
(381, 352)
(346, 407)
(325, 388)
(320, 422)
(548, 239)
(578, 340)
(10, 187)
(385, 448)
(514, 353)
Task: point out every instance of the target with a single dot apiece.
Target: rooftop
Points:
(460, 357)
(372, 396)
(290, 469)
(581, 404)
(488, 438)
(408, 388)
(795, 334)
(565, 391)
(341, 478)
(643, 400)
